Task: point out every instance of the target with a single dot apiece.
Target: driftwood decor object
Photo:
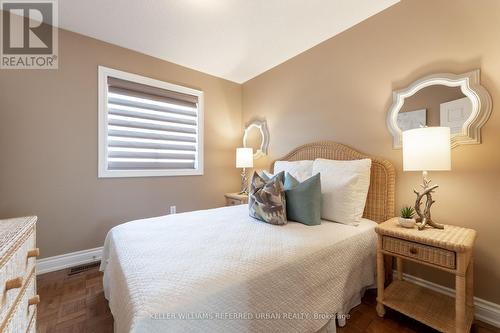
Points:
(424, 218)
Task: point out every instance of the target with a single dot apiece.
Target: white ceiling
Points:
(233, 39)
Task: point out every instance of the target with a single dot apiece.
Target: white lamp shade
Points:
(427, 149)
(244, 157)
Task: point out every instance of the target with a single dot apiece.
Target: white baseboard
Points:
(67, 260)
(485, 311)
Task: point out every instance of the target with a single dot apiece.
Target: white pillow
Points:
(344, 188)
(300, 170)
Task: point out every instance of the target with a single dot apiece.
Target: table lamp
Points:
(426, 149)
(244, 159)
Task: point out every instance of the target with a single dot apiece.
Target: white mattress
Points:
(220, 270)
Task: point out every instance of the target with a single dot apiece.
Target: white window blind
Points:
(148, 127)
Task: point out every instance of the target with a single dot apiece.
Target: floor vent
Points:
(83, 268)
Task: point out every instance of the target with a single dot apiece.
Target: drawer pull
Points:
(34, 253)
(413, 250)
(34, 300)
(14, 283)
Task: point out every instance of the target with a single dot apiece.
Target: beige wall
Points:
(341, 90)
(48, 147)
(431, 98)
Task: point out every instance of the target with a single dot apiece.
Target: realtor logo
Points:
(29, 36)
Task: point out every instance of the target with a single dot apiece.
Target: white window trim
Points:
(103, 172)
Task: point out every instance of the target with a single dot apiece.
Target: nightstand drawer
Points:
(430, 254)
(234, 199)
(232, 202)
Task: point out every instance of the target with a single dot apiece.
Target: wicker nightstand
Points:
(450, 250)
(233, 199)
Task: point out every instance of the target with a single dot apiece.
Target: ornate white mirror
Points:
(257, 137)
(449, 100)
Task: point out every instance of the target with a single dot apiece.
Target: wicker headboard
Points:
(380, 202)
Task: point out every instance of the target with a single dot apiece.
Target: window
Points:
(148, 127)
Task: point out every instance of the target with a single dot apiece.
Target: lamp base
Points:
(424, 218)
(428, 222)
(244, 182)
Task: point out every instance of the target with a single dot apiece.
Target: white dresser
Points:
(18, 252)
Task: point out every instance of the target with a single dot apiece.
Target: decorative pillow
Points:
(266, 175)
(303, 200)
(344, 188)
(300, 170)
(266, 200)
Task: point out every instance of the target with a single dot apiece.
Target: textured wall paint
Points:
(341, 90)
(48, 147)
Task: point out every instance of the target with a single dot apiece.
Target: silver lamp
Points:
(244, 159)
(426, 149)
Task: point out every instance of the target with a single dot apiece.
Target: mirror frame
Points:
(471, 87)
(261, 125)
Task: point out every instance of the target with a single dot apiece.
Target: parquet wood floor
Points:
(73, 304)
(76, 304)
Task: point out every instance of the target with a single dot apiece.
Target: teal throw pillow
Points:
(303, 200)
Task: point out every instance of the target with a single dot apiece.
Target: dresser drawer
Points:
(32, 325)
(430, 254)
(23, 312)
(16, 266)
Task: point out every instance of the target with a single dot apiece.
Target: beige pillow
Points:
(344, 188)
(300, 170)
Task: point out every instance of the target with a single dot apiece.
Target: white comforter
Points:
(220, 270)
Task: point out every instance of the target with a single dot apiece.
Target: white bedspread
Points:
(220, 270)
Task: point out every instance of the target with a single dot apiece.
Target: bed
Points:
(219, 270)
